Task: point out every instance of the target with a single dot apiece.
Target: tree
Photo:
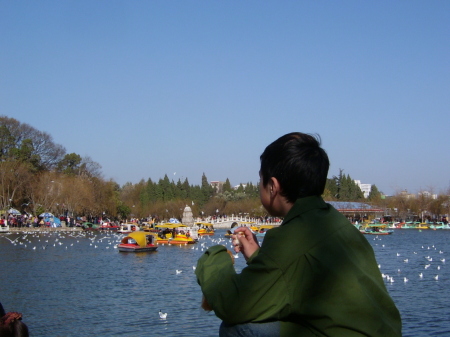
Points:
(207, 190)
(226, 186)
(343, 188)
(374, 194)
(15, 176)
(166, 188)
(70, 164)
(13, 134)
(123, 211)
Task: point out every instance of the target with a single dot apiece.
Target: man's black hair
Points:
(299, 164)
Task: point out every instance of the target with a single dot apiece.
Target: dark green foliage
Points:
(344, 188)
(70, 164)
(374, 194)
(166, 191)
(123, 211)
(227, 186)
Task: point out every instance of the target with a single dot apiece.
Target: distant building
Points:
(427, 194)
(217, 185)
(407, 195)
(365, 188)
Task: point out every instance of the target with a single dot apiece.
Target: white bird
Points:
(421, 275)
(193, 267)
(427, 266)
(178, 271)
(398, 254)
(405, 260)
(162, 315)
(438, 267)
(405, 279)
(436, 277)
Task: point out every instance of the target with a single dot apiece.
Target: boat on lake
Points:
(376, 229)
(205, 228)
(128, 228)
(228, 234)
(109, 226)
(4, 228)
(440, 225)
(174, 233)
(138, 242)
(90, 226)
(262, 230)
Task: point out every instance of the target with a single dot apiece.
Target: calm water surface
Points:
(80, 285)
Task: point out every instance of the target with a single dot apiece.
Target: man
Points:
(314, 275)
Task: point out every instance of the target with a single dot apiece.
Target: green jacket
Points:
(316, 273)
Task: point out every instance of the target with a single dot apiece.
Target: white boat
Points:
(4, 228)
(128, 228)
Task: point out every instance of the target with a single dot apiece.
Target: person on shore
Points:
(11, 324)
(314, 275)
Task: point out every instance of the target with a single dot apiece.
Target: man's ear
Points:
(274, 186)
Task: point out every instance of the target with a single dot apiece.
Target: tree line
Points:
(38, 175)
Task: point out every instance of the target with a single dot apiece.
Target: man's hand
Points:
(245, 241)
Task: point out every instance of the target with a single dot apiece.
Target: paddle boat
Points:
(149, 227)
(205, 228)
(138, 242)
(228, 234)
(174, 234)
(4, 228)
(410, 225)
(128, 228)
(109, 226)
(89, 226)
(262, 230)
(440, 225)
(375, 229)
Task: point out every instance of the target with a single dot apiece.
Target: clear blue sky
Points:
(147, 88)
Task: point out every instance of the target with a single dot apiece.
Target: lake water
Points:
(80, 285)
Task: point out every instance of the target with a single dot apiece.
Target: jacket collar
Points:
(304, 205)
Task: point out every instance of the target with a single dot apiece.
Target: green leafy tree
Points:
(207, 190)
(344, 188)
(374, 194)
(166, 189)
(70, 164)
(187, 188)
(227, 186)
(123, 211)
